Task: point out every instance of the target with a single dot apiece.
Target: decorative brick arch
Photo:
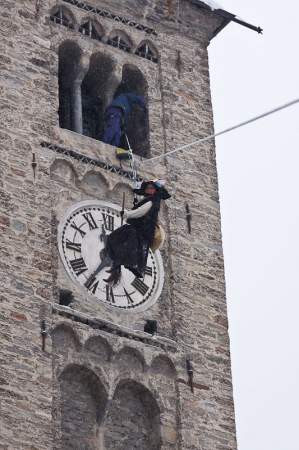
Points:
(129, 359)
(133, 419)
(91, 28)
(63, 171)
(71, 71)
(121, 40)
(94, 183)
(147, 50)
(80, 409)
(96, 87)
(99, 348)
(163, 366)
(64, 338)
(61, 15)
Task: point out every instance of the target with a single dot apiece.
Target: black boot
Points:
(114, 277)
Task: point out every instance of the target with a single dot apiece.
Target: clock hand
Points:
(105, 260)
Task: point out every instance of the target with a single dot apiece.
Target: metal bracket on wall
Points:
(44, 333)
(190, 381)
(34, 165)
(188, 218)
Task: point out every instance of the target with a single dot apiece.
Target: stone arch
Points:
(117, 194)
(91, 28)
(130, 359)
(147, 50)
(65, 338)
(120, 39)
(133, 419)
(97, 85)
(72, 66)
(162, 365)
(94, 183)
(83, 401)
(137, 125)
(99, 347)
(63, 171)
(61, 15)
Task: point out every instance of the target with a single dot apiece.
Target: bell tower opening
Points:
(137, 123)
(69, 86)
(95, 88)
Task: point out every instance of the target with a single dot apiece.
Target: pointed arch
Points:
(92, 29)
(133, 416)
(147, 50)
(121, 40)
(63, 16)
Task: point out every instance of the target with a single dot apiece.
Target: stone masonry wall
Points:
(35, 386)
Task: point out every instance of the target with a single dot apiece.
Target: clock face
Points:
(81, 240)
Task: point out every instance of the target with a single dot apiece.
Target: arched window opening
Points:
(145, 50)
(61, 16)
(95, 88)
(133, 419)
(137, 122)
(69, 80)
(82, 404)
(120, 40)
(90, 29)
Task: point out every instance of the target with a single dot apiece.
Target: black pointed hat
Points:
(158, 184)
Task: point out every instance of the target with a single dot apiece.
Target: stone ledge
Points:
(162, 342)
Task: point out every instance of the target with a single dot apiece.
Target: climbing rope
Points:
(227, 130)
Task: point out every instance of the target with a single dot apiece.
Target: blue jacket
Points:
(126, 102)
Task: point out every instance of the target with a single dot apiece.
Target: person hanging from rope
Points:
(116, 116)
(129, 245)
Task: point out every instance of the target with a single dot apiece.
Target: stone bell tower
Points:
(77, 370)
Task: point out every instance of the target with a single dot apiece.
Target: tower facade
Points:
(78, 371)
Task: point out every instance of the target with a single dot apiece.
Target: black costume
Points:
(129, 245)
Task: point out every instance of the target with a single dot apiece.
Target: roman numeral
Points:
(148, 271)
(73, 225)
(129, 298)
(78, 266)
(90, 220)
(140, 286)
(92, 284)
(108, 222)
(109, 294)
(73, 246)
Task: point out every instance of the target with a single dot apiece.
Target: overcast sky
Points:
(259, 187)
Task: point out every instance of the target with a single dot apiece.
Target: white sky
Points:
(259, 186)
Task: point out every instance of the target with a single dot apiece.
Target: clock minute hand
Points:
(105, 260)
(105, 263)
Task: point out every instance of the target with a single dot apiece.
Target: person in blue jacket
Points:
(117, 114)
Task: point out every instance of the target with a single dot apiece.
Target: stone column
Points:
(76, 95)
(76, 107)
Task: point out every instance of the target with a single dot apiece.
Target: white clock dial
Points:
(81, 240)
